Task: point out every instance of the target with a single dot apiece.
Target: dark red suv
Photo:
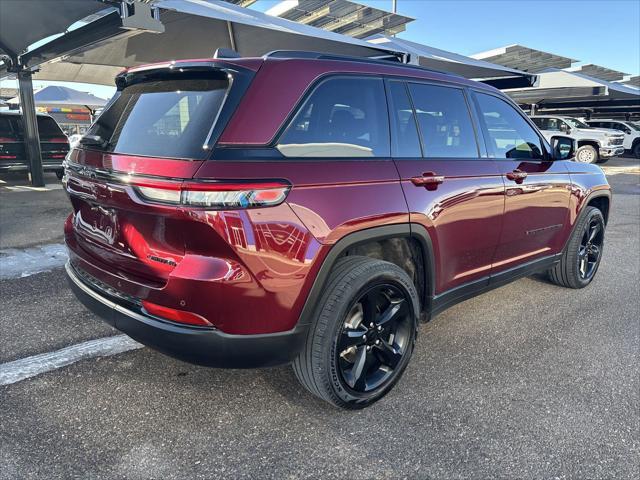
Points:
(310, 208)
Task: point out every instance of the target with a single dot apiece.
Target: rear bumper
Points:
(201, 346)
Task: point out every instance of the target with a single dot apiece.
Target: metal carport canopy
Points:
(22, 24)
(430, 57)
(44, 21)
(573, 92)
(563, 87)
(192, 29)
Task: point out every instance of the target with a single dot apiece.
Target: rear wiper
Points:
(96, 140)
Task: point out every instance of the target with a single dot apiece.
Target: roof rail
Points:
(398, 59)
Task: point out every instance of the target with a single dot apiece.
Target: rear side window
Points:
(444, 121)
(405, 142)
(508, 134)
(165, 118)
(547, 123)
(343, 117)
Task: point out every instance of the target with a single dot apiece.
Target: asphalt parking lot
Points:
(527, 381)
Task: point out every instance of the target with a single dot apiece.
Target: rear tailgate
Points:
(116, 231)
(156, 132)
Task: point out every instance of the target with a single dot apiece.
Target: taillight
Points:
(180, 316)
(216, 195)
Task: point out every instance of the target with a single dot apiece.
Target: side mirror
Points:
(562, 147)
(565, 128)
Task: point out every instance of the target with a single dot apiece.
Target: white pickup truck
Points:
(595, 145)
(630, 130)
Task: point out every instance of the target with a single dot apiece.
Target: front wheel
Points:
(587, 154)
(581, 258)
(363, 333)
(636, 150)
(60, 174)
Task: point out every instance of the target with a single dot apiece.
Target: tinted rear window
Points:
(48, 128)
(166, 118)
(5, 127)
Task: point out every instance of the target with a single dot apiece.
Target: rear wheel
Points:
(59, 174)
(636, 150)
(363, 333)
(587, 154)
(581, 258)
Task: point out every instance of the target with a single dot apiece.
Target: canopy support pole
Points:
(30, 123)
(232, 37)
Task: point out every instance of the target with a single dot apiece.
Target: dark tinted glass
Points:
(444, 120)
(48, 128)
(547, 123)
(509, 135)
(343, 117)
(167, 118)
(405, 141)
(5, 128)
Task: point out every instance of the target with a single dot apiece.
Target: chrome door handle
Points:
(428, 180)
(517, 176)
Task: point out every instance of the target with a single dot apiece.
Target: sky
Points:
(603, 32)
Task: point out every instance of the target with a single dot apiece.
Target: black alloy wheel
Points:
(590, 249)
(374, 338)
(583, 253)
(363, 333)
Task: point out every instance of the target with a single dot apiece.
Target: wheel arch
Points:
(601, 200)
(593, 143)
(356, 243)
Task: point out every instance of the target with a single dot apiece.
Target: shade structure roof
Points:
(602, 73)
(524, 58)
(633, 81)
(341, 16)
(430, 57)
(95, 52)
(42, 20)
(58, 95)
(574, 91)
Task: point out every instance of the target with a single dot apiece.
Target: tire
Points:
(603, 160)
(59, 174)
(329, 370)
(636, 150)
(569, 271)
(587, 154)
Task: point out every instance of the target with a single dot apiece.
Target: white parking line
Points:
(18, 263)
(24, 368)
(27, 188)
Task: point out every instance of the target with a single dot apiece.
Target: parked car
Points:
(595, 145)
(630, 130)
(310, 208)
(53, 143)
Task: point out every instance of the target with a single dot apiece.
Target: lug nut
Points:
(368, 347)
(371, 325)
(379, 328)
(364, 338)
(377, 342)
